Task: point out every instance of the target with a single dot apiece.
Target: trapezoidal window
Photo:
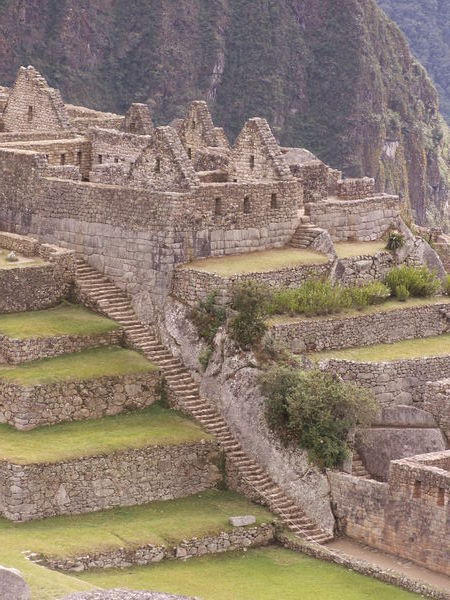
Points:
(247, 205)
(194, 124)
(417, 492)
(158, 165)
(189, 153)
(63, 159)
(100, 159)
(79, 157)
(441, 497)
(132, 126)
(273, 201)
(30, 114)
(218, 207)
(252, 161)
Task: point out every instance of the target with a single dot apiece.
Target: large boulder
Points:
(12, 585)
(405, 416)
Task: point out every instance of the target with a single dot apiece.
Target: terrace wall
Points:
(394, 382)
(28, 406)
(342, 331)
(15, 351)
(363, 220)
(95, 483)
(436, 400)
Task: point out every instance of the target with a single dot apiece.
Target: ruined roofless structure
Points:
(137, 200)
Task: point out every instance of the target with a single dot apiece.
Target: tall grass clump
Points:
(419, 282)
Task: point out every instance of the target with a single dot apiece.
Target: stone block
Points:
(242, 521)
(12, 585)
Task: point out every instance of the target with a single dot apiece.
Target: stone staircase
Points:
(100, 293)
(358, 468)
(305, 234)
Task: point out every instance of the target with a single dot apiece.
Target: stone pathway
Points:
(98, 292)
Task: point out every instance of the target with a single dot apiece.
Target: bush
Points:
(419, 281)
(372, 293)
(446, 285)
(402, 293)
(316, 411)
(250, 300)
(208, 317)
(395, 240)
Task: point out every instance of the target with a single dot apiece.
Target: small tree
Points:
(316, 410)
(250, 301)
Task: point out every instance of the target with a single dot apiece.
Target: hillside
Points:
(427, 27)
(337, 78)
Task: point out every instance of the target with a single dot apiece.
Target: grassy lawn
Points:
(352, 249)
(24, 261)
(66, 319)
(259, 574)
(258, 262)
(391, 304)
(421, 347)
(151, 426)
(79, 366)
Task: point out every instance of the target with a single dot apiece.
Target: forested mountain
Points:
(335, 76)
(426, 23)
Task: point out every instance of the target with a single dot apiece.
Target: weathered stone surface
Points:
(12, 585)
(379, 446)
(242, 521)
(119, 594)
(405, 416)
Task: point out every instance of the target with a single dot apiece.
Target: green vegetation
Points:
(407, 281)
(23, 261)
(315, 297)
(248, 327)
(66, 319)
(353, 249)
(159, 522)
(259, 574)
(208, 316)
(79, 366)
(259, 262)
(421, 347)
(316, 411)
(149, 427)
(395, 241)
(446, 285)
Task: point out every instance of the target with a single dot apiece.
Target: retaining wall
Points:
(436, 400)
(127, 478)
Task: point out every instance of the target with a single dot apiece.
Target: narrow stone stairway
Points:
(358, 468)
(97, 291)
(305, 234)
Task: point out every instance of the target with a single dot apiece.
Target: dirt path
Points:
(388, 561)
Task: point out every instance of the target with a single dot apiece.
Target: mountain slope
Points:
(426, 24)
(336, 77)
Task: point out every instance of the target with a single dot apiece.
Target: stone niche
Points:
(28, 406)
(124, 478)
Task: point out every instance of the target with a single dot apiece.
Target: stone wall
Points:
(362, 220)
(28, 406)
(191, 286)
(360, 270)
(409, 516)
(394, 382)
(97, 483)
(436, 400)
(343, 331)
(16, 350)
(355, 189)
(226, 541)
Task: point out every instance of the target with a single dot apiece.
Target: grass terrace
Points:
(78, 366)
(152, 426)
(65, 319)
(258, 262)
(354, 249)
(24, 261)
(258, 574)
(417, 348)
(387, 306)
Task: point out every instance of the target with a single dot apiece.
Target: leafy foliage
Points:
(316, 411)
(395, 240)
(208, 316)
(248, 327)
(418, 281)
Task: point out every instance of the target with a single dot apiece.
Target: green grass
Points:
(421, 347)
(258, 574)
(24, 261)
(159, 522)
(149, 427)
(352, 249)
(79, 366)
(389, 305)
(66, 319)
(258, 262)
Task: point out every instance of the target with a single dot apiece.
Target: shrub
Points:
(395, 240)
(316, 411)
(372, 293)
(419, 281)
(402, 293)
(208, 317)
(250, 301)
(446, 285)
